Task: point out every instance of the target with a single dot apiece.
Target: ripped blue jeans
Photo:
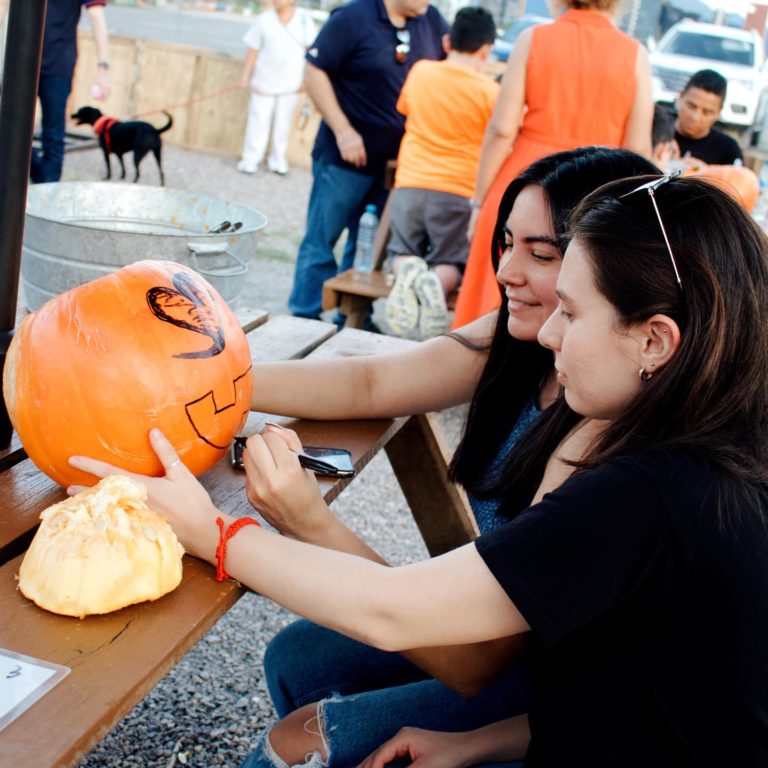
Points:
(365, 696)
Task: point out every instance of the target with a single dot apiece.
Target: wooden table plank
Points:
(353, 342)
(287, 338)
(24, 493)
(13, 454)
(250, 318)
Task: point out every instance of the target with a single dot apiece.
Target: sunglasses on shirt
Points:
(403, 47)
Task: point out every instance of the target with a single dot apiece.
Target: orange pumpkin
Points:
(95, 368)
(738, 181)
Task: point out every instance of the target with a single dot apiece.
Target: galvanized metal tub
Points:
(77, 231)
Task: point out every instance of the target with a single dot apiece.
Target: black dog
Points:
(118, 137)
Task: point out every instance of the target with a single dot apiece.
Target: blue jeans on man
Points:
(367, 695)
(53, 93)
(336, 202)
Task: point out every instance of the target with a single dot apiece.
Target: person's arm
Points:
(290, 499)
(3, 10)
(101, 38)
(504, 125)
(320, 90)
(501, 741)
(412, 606)
(637, 133)
(441, 372)
(248, 65)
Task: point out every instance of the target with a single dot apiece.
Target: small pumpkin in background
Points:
(95, 368)
(100, 551)
(739, 182)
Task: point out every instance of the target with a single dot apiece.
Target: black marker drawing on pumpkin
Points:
(204, 407)
(190, 306)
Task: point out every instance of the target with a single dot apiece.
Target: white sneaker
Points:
(433, 312)
(402, 311)
(244, 167)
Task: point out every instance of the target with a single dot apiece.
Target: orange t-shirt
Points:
(447, 107)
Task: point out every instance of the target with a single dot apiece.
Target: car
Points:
(506, 42)
(737, 54)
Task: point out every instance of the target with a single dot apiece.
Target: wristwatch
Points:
(103, 65)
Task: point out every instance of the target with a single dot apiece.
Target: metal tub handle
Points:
(238, 269)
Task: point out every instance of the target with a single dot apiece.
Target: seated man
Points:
(700, 104)
(447, 105)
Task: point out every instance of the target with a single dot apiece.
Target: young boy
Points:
(665, 149)
(447, 105)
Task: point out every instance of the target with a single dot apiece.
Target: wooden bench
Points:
(354, 292)
(117, 659)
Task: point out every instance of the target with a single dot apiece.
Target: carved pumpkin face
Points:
(95, 368)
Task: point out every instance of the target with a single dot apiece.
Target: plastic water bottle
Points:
(366, 232)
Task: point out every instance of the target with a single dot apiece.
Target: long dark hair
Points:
(712, 397)
(517, 368)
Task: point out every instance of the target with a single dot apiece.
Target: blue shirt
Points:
(60, 37)
(356, 49)
(486, 511)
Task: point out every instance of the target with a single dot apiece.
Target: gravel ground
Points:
(214, 705)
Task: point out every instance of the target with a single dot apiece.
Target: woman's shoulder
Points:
(663, 477)
(662, 464)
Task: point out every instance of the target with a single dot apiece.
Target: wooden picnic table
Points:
(117, 659)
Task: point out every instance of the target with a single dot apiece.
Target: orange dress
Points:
(580, 86)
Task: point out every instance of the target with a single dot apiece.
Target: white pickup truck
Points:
(737, 54)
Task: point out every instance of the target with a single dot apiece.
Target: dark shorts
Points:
(430, 224)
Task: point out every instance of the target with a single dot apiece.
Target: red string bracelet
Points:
(224, 537)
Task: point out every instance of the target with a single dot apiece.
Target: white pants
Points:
(265, 113)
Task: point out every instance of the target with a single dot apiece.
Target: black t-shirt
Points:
(715, 148)
(60, 37)
(356, 49)
(649, 618)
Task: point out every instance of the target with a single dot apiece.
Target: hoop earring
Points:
(645, 375)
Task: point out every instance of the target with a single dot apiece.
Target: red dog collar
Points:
(102, 125)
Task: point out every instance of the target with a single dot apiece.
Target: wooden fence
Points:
(190, 83)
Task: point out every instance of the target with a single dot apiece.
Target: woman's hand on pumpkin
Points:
(287, 495)
(178, 495)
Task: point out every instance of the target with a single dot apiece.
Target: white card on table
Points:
(23, 680)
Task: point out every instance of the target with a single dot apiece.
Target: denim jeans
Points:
(53, 93)
(367, 695)
(336, 202)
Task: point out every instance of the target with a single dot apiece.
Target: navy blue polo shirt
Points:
(356, 49)
(60, 38)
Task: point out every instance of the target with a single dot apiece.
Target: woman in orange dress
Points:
(574, 82)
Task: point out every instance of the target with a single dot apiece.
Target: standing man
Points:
(354, 72)
(56, 70)
(699, 107)
(273, 69)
